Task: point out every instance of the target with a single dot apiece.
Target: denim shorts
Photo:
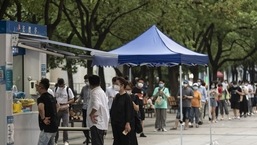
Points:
(46, 138)
(185, 113)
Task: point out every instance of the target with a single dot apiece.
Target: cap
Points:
(195, 84)
(185, 82)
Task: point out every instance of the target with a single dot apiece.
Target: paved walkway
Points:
(226, 132)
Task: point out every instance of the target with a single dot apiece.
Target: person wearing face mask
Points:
(202, 90)
(161, 95)
(213, 93)
(196, 104)
(111, 92)
(187, 95)
(235, 99)
(85, 96)
(140, 93)
(122, 115)
(64, 97)
(135, 102)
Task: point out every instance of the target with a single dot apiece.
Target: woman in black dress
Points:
(122, 115)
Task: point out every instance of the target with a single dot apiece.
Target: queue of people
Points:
(125, 100)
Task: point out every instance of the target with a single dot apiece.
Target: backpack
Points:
(67, 90)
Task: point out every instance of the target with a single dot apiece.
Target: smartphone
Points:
(125, 132)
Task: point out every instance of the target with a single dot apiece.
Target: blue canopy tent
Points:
(153, 48)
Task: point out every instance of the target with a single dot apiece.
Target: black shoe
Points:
(200, 123)
(142, 135)
(89, 141)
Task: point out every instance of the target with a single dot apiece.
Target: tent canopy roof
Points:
(156, 49)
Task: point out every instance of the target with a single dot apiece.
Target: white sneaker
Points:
(155, 130)
(164, 129)
(66, 143)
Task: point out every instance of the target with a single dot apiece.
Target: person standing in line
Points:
(213, 101)
(161, 94)
(111, 92)
(47, 118)
(235, 93)
(244, 102)
(187, 95)
(85, 96)
(196, 104)
(97, 111)
(224, 101)
(202, 90)
(135, 102)
(122, 115)
(250, 97)
(64, 98)
(140, 93)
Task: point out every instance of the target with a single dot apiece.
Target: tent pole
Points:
(209, 105)
(181, 115)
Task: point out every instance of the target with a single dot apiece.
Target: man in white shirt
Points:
(111, 92)
(64, 97)
(97, 111)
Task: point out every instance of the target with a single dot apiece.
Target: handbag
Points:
(159, 100)
(138, 125)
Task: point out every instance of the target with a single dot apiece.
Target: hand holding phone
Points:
(125, 132)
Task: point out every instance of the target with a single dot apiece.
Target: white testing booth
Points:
(23, 49)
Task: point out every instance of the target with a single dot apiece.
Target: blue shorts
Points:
(185, 113)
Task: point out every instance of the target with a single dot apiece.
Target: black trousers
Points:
(97, 136)
(84, 124)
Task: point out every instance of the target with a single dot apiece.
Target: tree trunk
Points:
(118, 72)
(173, 76)
(125, 71)
(102, 78)
(159, 73)
(194, 70)
(150, 81)
(252, 72)
(89, 67)
(214, 73)
(244, 73)
(69, 73)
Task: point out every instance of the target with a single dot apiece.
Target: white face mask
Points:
(140, 85)
(184, 85)
(212, 87)
(87, 82)
(116, 87)
(195, 88)
(129, 92)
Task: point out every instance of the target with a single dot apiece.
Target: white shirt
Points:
(62, 96)
(250, 91)
(50, 91)
(99, 102)
(110, 93)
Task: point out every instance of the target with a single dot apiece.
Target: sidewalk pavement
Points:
(225, 132)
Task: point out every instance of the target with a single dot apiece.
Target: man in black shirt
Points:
(47, 118)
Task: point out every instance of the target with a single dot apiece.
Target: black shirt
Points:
(122, 110)
(50, 111)
(234, 96)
